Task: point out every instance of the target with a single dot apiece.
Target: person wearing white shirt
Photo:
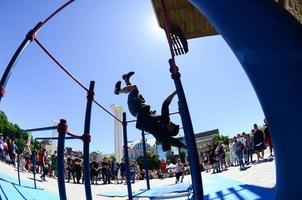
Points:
(179, 171)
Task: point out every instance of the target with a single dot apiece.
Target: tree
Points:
(152, 159)
(112, 157)
(182, 156)
(218, 138)
(13, 131)
(3, 121)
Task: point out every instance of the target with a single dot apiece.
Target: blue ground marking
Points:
(15, 181)
(164, 190)
(154, 192)
(215, 188)
(10, 190)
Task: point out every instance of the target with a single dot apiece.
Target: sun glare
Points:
(154, 28)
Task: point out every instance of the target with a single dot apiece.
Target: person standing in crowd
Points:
(44, 164)
(27, 156)
(94, 170)
(77, 169)
(268, 139)
(137, 171)
(53, 166)
(206, 161)
(132, 168)
(68, 168)
(104, 170)
(221, 154)
(179, 171)
(116, 167)
(227, 156)
(122, 170)
(163, 168)
(11, 151)
(109, 172)
(249, 149)
(239, 152)
(233, 157)
(1, 147)
(258, 143)
(243, 140)
(212, 159)
(22, 163)
(39, 161)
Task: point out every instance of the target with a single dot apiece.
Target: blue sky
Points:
(101, 40)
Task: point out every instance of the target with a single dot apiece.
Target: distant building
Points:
(46, 144)
(69, 153)
(135, 149)
(204, 139)
(96, 156)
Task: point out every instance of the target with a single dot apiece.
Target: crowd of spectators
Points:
(239, 151)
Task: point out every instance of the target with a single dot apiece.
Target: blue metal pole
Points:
(145, 160)
(16, 56)
(126, 156)
(41, 129)
(34, 164)
(53, 138)
(86, 141)
(62, 130)
(189, 134)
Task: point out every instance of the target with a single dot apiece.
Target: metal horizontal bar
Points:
(41, 129)
(53, 138)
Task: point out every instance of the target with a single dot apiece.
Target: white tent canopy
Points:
(171, 165)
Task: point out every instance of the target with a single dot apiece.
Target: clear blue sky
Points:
(101, 40)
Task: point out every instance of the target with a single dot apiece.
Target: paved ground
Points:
(262, 175)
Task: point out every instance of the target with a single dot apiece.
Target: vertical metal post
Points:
(189, 134)
(126, 156)
(62, 130)
(145, 160)
(34, 163)
(86, 141)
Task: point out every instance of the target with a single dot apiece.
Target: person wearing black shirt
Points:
(258, 143)
(159, 126)
(268, 139)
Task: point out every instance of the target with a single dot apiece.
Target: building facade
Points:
(204, 139)
(135, 148)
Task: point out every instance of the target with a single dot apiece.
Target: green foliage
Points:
(152, 159)
(13, 131)
(182, 156)
(112, 157)
(224, 139)
(8, 129)
(3, 121)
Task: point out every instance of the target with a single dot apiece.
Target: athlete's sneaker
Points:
(128, 75)
(117, 87)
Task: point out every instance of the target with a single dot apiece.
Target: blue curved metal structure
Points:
(267, 41)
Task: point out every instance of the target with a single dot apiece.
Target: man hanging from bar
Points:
(159, 126)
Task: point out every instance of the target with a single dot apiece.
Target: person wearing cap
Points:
(159, 126)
